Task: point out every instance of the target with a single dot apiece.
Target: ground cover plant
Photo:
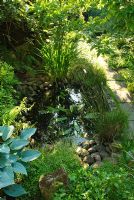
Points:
(52, 56)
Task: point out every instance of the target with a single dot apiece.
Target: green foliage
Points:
(91, 81)
(12, 158)
(111, 125)
(110, 182)
(58, 53)
(7, 92)
(53, 157)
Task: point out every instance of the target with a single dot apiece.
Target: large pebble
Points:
(97, 165)
(88, 159)
(96, 157)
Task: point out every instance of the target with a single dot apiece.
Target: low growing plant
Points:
(61, 154)
(13, 157)
(110, 182)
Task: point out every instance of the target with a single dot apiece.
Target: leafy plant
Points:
(111, 125)
(106, 183)
(7, 92)
(91, 81)
(13, 157)
(52, 158)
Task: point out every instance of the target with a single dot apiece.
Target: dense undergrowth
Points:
(45, 82)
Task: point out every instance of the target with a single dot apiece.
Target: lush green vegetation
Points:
(52, 78)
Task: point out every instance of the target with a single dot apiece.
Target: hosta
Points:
(13, 157)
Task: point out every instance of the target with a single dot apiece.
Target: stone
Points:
(88, 159)
(92, 150)
(86, 145)
(48, 184)
(100, 147)
(97, 165)
(108, 150)
(96, 157)
(92, 142)
(85, 166)
(104, 154)
(81, 152)
(86, 135)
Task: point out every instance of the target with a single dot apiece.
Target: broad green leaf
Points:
(13, 158)
(19, 168)
(29, 155)
(27, 133)
(4, 160)
(4, 148)
(18, 144)
(6, 131)
(6, 177)
(14, 190)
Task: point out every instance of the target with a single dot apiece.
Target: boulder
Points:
(97, 165)
(48, 184)
(82, 152)
(96, 157)
(86, 145)
(88, 159)
(92, 150)
(85, 166)
(104, 154)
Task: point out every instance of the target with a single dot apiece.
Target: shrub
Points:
(52, 158)
(13, 157)
(106, 183)
(111, 125)
(7, 92)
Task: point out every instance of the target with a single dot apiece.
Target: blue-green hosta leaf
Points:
(4, 160)
(6, 177)
(6, 131)
(14, 190)
(4, 148)
(19, 168)
(8, 141)
(18, 144)
(13, 158)
(27, 133)
(29, 155)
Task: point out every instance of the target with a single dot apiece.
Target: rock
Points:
(97, 165)
(48, 184)
(86, 145)
(82, 152)
(96, 157)
(92, 143)
(86, 135)
(100, 147)
(46, 84)
(92, 150)
(110, 159)
(85, 166)
(103, 154)
(108, 150)
(88, 159)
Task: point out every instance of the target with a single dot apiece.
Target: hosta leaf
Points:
(27, 133)
(14, 190)
(19, 168)
(4, 160)
(18, 144)
(6, 132)
(13, 158)
(29, 155)
(4, 148)
(6, 177)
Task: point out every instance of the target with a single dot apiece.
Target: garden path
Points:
(114, 81)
